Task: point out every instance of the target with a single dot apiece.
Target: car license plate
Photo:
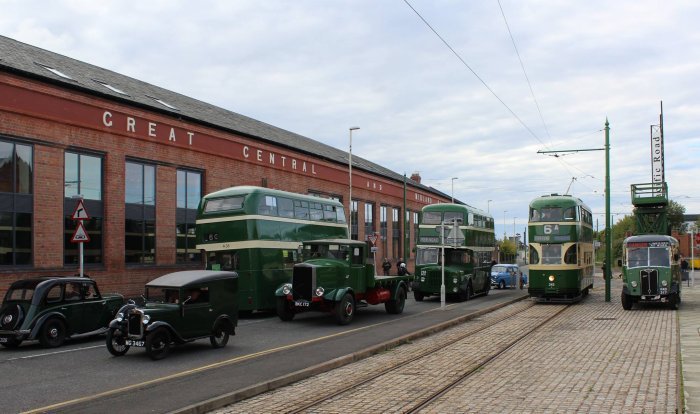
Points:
(302, 303)
(3, 340)
(131, 342)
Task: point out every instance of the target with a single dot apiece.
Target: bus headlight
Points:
(454, 289)
(664, 283)
(551, 278)
(422, 279)
(454, 280)
(287, 289)
(319, 291)
(634, 283)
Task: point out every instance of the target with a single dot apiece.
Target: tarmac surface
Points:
(590, 357)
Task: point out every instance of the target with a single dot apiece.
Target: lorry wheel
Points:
(626, 302)
(158, 344)
(284, 311)
(345, 310)
(116, 345)
(395, 306)
(219, 337)
(462, 295)
(418, 296)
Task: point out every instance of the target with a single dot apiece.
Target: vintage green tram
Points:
(469, 246)
(257, 231)
(560, 234)
(651, 270)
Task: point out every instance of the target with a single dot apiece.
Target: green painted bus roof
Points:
(249, 189)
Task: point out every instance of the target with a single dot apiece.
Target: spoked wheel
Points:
(116, 344)
(158, 344)
(53, 333)
(345, 310)
(219, 338)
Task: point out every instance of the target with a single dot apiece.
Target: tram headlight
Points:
(287, 289)
(634, 283)
(319, 291)
(551, 278)
(664, 283)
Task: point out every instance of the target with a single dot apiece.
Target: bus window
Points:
(301, 209)
(223, 204)
(659, 256)
(268, 206)
(431, 218)
(223, 260)
(285, 207)
(340, 214)
(329, 213)
(637, 257)
(450, 216)
(316, 211)
(427, 256)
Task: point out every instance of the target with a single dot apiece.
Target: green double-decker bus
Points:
(469, 242)
(560, 234)
(257, 231)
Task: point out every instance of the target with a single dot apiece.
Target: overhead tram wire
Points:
(522, 65)
(474, 73)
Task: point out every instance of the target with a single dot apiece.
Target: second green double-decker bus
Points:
(256, 232)
(560, 233)
(469, 245)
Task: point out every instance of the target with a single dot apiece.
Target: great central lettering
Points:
(153, 129)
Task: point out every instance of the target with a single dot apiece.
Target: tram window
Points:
(285, 207)
(570, 213)
(570, 256)
(534, 256)
(534, 215)
(659, 257)
(551, 254)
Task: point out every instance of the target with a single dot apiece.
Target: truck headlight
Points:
(120, 317)
(319, 291)
(146, 319)
(422, 279)
(634, 283)
(664, 283)
(454, 289)
(287, 289)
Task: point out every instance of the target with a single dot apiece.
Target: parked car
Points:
(178, 307)
(53, 309)
(506, 276)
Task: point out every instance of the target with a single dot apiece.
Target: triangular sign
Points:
(80, 213)
(80, 235)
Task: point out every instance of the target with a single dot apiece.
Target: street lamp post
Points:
(350, 179)
(453, 189)
(488, 206)
(504, 224)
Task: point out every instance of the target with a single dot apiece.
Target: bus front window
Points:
(659, 256)
(637, 257)
(427, 256)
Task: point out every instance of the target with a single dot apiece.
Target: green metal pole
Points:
(406, 255)
(608, 225)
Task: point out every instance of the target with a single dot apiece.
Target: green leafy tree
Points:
(675, 216)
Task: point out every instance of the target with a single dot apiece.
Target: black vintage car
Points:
(53, 308)
(179, 307)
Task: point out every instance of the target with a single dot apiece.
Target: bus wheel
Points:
(418, 295)
(345, 310)
(674, 301)
(462, 295)
(284, 310)
(626, 302)
(395, 306)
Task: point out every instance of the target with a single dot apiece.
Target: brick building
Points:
(141, 157)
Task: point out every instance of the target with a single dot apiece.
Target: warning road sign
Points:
(80, 213)
(80, 235)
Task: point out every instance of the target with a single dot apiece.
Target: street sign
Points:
(80, 213)
(372, 238)
(80, 235)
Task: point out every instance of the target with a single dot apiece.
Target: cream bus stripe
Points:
(250, 244)
(269, 218)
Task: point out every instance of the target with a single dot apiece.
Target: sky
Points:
(463, 89)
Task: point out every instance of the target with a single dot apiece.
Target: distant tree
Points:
(507, 247)
(675, 216)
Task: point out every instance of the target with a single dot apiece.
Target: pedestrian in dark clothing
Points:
(403, 270)
(399, 263)
(386, 265)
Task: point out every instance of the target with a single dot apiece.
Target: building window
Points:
(83, 177)
(369, 219)
(16, 177)
(140, 214)
(396, 233)
(189, 192)
(355, 225)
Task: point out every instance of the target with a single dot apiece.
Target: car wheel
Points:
(502, 284)
(395, 306)
(345, 310)
(284, 309)
(11, 318)
(116, 344)
(626, 302)
(418, 296)
(462, 295)
(53, 333)
(468, 292)
(674, 301)
(219, 338)
(158, 344)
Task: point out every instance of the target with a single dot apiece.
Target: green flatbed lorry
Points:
(337, 276)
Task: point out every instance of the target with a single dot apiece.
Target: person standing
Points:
(386, 265)
(398, 265)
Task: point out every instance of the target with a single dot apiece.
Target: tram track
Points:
(346, 388)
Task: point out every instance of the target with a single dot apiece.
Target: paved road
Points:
(83, 377)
